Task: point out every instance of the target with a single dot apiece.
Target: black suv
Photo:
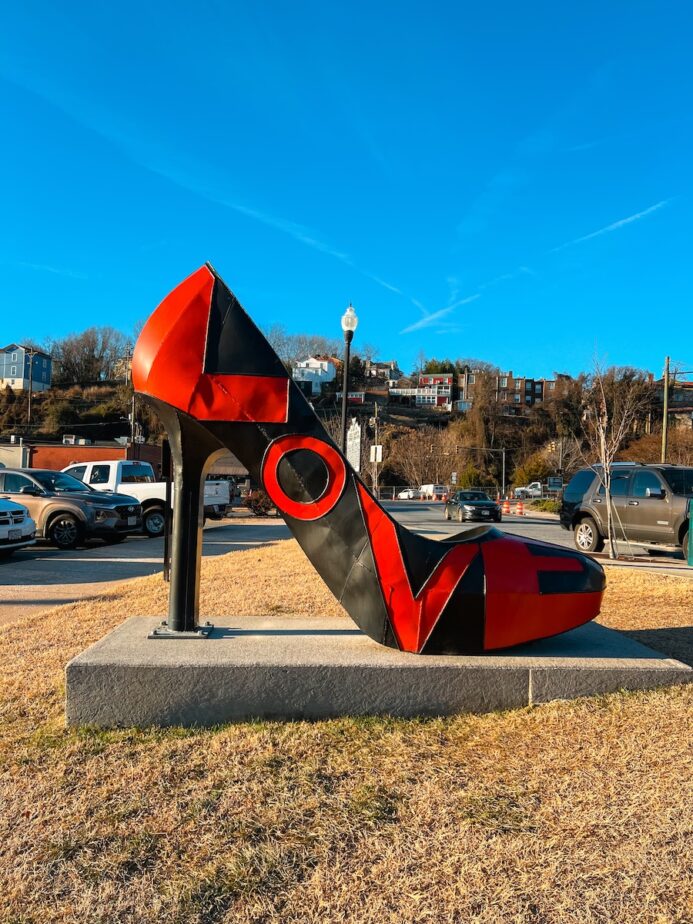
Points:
(650, 506)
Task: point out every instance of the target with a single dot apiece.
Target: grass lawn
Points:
(569, 812)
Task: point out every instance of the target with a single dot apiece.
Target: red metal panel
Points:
(253, 398)
(516, 611)
(336, 476)
(167, 363)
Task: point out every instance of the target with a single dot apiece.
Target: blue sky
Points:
(507, 181)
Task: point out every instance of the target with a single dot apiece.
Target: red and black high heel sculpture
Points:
(217, 384)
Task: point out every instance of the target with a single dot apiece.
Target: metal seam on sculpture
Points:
(215, 283)
(354, 563)
(303, 484)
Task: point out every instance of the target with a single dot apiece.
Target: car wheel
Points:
(684, 546)
(459, 515)
(587, 536)
(65, 531)
(153, 522)
(447, 514)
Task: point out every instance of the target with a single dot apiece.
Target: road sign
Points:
(554, 483)
(376, 453)
(353, 449)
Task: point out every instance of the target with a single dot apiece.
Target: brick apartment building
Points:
(516, 394)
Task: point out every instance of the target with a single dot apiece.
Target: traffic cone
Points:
(506, 506)
(520, 509)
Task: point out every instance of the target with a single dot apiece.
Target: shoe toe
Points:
(535, 590)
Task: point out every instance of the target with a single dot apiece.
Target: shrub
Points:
(259, 503)
(547, 504)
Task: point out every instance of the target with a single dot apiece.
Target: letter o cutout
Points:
(336, 476)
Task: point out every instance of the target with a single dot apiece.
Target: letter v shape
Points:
(413, 618)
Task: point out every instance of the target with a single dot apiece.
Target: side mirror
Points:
(655, 492)
(29, 489)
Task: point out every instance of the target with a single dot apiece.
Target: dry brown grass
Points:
(571, 812)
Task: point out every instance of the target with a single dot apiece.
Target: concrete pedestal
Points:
(300, 668)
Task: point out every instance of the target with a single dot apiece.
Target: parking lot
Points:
(42, 576)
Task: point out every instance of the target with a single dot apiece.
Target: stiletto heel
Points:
(193, 451)
(216, 382)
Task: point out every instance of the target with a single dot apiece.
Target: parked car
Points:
(17, 529)
(650, 505)
(66, 511)
(138, 479)
(472, 505)
(409, 494)
(533, 489)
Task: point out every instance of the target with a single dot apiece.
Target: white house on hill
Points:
(317, 370)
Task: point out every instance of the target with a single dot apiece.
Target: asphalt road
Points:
(41, 577)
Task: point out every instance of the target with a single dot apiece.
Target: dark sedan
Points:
(472, 505)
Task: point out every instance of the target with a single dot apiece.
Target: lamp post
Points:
(349, 322)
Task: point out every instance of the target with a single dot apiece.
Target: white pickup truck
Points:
(138, 480)
(533, 489)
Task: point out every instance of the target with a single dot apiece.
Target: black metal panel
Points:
(235, 346)
(461, 625)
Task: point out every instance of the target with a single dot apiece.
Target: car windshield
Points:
(60, 482)
(473, 496)
(680, 480)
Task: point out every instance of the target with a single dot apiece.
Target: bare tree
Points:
(616, 401)
(291, 348)
(91, 356)
(418, 456)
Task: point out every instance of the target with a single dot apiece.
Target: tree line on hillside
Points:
(597, 418)
(590, 417)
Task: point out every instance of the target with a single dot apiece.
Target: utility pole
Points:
(30, 352)
(375, 455)
(31, 385)
(461, 449)
(665, 418)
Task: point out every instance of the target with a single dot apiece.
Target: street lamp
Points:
(349, 323)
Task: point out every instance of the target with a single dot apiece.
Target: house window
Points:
(528, 386)
(45, 363)
(537, 387)
(13, 370)
(551, 385)
(504, 381)
(517, 397)
(14, 357)
(471, 379)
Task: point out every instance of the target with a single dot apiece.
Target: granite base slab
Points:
(315, 668)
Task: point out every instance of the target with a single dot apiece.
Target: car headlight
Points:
(469, 508)
(101, 514)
